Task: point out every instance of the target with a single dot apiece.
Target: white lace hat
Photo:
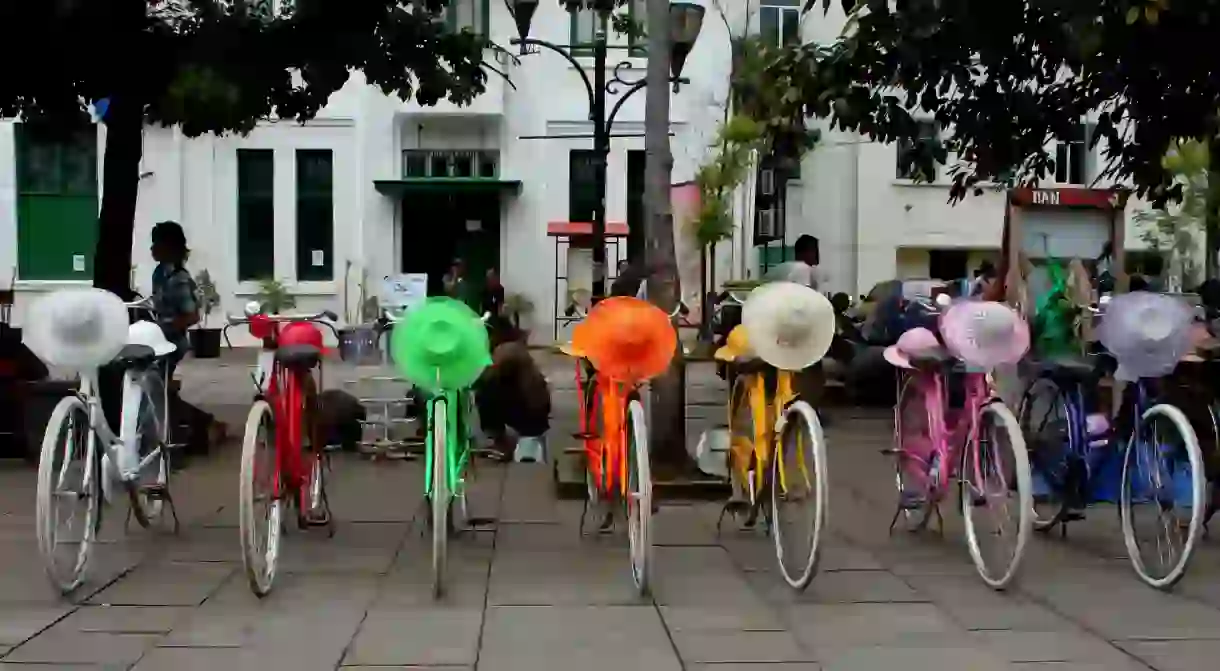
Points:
(76, 329)
(789, 325)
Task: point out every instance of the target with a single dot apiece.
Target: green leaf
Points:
(1133, 15)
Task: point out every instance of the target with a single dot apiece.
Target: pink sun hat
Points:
(984, 334)
(911, 343)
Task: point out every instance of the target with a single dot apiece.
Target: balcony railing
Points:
(443, 163)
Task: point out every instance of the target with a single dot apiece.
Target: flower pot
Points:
(205, 343)
(358, 345)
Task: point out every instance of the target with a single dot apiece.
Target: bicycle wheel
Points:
(146, 492)
(741, 440)
(440, 494)
(798, 496)
(1044, 423)
(1161, 448)
(913, 452)
(260, 500)
(997, 449)
(69, 476)
(639, 498)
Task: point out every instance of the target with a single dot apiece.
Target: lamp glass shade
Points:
(523, 15)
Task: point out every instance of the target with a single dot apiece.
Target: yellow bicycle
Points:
(776, 459)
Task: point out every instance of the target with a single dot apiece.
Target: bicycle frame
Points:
(457, 443)
(121, 450)
(763, 415)
(944, 446)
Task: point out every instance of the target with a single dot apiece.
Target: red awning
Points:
(614, 229)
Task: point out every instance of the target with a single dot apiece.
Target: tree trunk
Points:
(112, 255)
(120, 187)
(668, 417)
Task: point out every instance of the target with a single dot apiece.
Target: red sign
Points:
(1101, 199)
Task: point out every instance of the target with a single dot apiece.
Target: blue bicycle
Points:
(1155, 474)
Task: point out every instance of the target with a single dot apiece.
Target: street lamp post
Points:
(685, 20)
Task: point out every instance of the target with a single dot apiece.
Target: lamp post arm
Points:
(532, 42)
(631, 89)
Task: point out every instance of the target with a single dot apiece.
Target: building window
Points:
(779, 21)
(255, 214)
(57, 204)
(928, 131)
(315, 214)
(469, 15)
(583, 196)
(1072, 157)
(948, 264)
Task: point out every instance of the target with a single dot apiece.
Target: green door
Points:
(441, 227)
(56, 205)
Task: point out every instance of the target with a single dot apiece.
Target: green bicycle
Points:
(442, 347)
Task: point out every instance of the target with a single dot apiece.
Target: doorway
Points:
(438, 228)
(635, 204)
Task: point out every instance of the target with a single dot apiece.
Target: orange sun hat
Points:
(627, 339)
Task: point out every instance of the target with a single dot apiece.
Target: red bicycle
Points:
(283, 456)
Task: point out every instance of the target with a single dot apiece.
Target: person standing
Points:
(802, 269)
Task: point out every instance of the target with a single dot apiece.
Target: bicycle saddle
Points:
(931, 358)
(1069, 367)
(135, 356)
(298, 356)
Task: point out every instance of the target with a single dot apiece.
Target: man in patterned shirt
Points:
(173, 289)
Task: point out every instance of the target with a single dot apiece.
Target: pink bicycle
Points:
(950, 430)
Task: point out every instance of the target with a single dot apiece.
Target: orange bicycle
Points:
(620, 345)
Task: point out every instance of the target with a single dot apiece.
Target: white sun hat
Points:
(76, 329)
(789, 325)
(150, 335)
(1147, 333)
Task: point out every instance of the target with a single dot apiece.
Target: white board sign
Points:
(78, 263)
(404, 291)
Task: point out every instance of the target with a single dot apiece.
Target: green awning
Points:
(399, 188)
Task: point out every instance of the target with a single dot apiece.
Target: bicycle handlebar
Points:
(325, 318)
(574, 310)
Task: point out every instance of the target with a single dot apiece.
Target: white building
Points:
(375, 187)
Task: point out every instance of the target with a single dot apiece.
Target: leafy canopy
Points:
(218, 66)
(1006, 77)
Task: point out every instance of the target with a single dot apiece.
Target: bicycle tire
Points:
(68, 408)
(439, 501)
(259, 559)
(144, 509)
(739, 464)
(914, 518)
(1024, 491)
(817, 441)
(1042, 524)
(1190, 442)
(639, 499)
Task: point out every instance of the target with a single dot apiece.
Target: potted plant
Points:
(273, 297)
(358, 338)
(205, 340)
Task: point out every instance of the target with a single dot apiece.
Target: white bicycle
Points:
(74, 474)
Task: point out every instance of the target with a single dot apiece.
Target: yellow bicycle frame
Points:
(763, 414)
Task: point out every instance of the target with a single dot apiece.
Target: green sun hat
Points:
(441, 345)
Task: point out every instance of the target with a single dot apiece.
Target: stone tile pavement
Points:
(532, 594)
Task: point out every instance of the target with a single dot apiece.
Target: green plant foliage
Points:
(1176, 230)
(274, 297)
(1009, 76)
(206, 294)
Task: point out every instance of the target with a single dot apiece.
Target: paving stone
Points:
(426, 637)
(738, 646)
(324, 632)
(1071, 645)
(17, 623)
(750, 666)
(830, 628)
(974, 605)
(83, 648)
(165, 585)
(588, 638)
(702, 618)
(1182, 655)
(123, 619)
(233, 659)
(914, 659)
(295, 591)
(840, 587)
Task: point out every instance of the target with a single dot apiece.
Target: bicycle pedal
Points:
(736, 507)
(584, 436)
(889, 451)
(156, 492)
(1073, 515)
